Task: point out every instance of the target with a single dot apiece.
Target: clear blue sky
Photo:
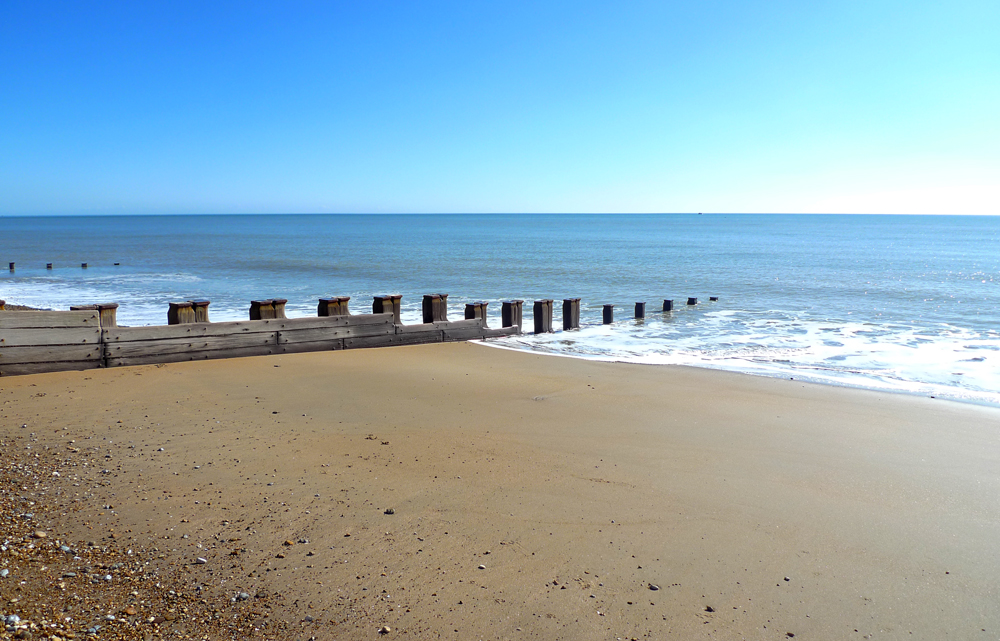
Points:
(776, 106)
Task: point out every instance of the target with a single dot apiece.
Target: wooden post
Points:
(692, 301)
(323, 309)
(336, 306)
(180, 313)
(279, 307)
(542, 313)
(109, 314)
(435, 308)
(668, 305)
(12, 267)
(48, 265)
(510, 314)
(83, 265)
(201, 310)
(713, 298)
(609, 314)
(640, 310)
(571, 313)
(476, 310)
(3, 303)
(388, 304)
(261, 309)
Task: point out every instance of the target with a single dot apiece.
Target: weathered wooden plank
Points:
(20, 369)
(313, 334)
(412, 338)
(49, 353)
(157, 332)
(50, 336)
(491, 332)
(188, 345)
(40, 320)
(463, 333)
(187, 330)
(150, 359)
(441, 325)
(315, 346)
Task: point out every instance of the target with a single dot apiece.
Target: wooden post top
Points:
(181, 304)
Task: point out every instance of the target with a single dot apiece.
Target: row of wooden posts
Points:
(435, 309)
(49, 265)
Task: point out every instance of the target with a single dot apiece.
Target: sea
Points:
(907, 304)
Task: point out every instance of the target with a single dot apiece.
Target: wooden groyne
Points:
(88, 336)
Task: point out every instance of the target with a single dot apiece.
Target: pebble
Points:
(482, 567)
(390, 511)
(4, 573)
(384, 630)
(654, 587)
(38, 534)
(65, 548)
(201, 560)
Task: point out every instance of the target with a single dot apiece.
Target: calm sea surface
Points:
(908, 304)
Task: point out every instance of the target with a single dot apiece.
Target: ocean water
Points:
(899, 303)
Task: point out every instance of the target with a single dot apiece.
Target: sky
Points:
(408, 106)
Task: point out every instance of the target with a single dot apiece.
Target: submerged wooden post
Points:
(435, 308)
(542, 313)
(640, 310)
(261, 309)
(609, 314)
(510, 314)
(692, 301)
(476, 310)
(571, 313)
(668, 305)
(713, 298)
(180, 313)
(83, 265)
(201, 310)
(388, 304)
(12, 267)
(48, 265)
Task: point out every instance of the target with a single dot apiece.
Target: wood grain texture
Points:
(50, 336)
(188, 345)
(313, 334)
(50, 353)
(20, 369)
(316, 346)
(47, 320)
(192, 356)
(158, 332)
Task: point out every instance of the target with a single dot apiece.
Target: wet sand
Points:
(531, 496)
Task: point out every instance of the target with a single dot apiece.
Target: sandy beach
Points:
(461, 492)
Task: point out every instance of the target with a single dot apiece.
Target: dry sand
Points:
(532, 497)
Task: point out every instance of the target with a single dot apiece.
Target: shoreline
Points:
(804, 379)
(562, 478)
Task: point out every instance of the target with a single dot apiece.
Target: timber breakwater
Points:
(88, 337)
